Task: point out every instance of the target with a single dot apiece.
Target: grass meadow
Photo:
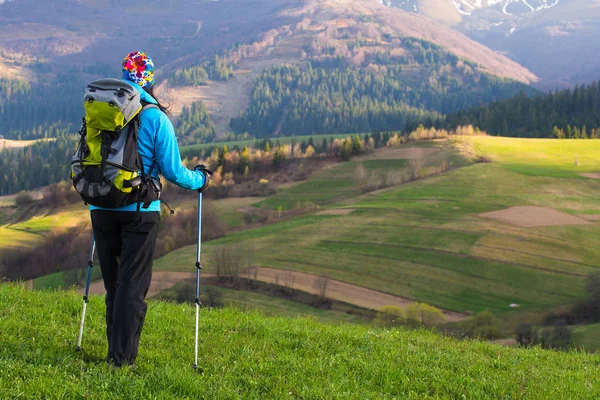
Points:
(245, 354)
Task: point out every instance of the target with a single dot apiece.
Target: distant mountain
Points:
(558, 40)
(394, 64)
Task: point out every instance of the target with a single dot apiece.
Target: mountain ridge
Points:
(555, 39)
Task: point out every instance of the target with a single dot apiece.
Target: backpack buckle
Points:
(133, 183)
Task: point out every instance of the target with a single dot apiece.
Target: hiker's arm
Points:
(169, 158)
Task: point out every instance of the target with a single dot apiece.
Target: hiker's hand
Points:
(202, 169)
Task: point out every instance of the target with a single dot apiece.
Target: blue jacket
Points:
(156, 139)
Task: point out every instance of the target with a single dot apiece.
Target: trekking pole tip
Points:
(196, 366)
(78, 348)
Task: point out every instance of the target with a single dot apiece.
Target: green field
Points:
(425, 240)
(248, 355)
(543, 157)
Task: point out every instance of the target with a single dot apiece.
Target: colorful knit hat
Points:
(139, 68)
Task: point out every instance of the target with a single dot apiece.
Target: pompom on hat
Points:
(139, 68)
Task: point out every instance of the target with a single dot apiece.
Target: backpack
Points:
(107, 170)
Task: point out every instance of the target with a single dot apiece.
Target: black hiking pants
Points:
(125, 246)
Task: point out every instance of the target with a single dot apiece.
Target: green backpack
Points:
(107, 170)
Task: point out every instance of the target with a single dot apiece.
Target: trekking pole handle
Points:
(207, 173)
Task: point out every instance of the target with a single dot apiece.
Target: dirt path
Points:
(336, 290)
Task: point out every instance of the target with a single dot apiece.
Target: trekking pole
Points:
(198, 268)
(87, 292)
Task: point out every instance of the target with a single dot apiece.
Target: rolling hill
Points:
(460, 240)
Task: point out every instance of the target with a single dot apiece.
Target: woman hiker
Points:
(125, 239)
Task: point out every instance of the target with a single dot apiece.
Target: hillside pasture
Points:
(426, 240)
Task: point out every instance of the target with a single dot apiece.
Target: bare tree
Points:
(252, 274)
(230, 260)
(321, 283)
(289, 280)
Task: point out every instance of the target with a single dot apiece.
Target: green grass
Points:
(330, 185)
(11, 238)
(66, 279)
(426, 241)
(588, 337)
(543, 157)
(227, 210)
(248, 355)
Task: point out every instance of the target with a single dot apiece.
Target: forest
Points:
(28, 111)
(291, 100)
(219, 69)
(570, 113)
(194, 124)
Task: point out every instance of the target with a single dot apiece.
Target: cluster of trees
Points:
(40, 164)
(219, 69)
(558, 336)
(293, 100)
(195, 124)
(569, 113)
(193, 76)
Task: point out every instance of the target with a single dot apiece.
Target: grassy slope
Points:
(247, 355)
(425, 240)
(588, 337)
(31, 231)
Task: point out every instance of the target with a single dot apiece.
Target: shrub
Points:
(212, 297)
(558, 336)
(23, 199)
(389, 316)
(424, 314)
(485, 326)
(526, 335)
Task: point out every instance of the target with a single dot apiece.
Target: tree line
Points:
(569, 113)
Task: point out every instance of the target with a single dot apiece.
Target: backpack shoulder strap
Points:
(147, 106)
